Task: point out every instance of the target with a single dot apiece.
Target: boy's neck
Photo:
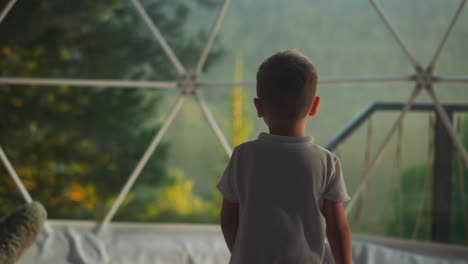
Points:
(291, 130)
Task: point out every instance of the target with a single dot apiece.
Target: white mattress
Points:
(75, 242)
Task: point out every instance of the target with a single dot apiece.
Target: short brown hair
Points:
(287, 84)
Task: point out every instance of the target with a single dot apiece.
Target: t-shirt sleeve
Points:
(228, 185)
(336, 188)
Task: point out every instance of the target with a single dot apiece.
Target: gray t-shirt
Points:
(280, 183)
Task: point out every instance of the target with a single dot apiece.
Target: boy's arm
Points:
(229, 222)
(338, 232)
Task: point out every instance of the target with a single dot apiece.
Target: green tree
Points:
(75, 147)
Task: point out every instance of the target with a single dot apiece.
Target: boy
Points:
(282, 192)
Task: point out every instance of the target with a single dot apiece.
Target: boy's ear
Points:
(259, 106)
(315, 106)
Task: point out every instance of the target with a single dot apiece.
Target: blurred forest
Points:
(75, 147)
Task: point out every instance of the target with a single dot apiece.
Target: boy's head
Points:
(287, 87)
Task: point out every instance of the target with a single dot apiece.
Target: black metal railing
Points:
(442, 160)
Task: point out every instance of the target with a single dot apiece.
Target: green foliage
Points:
(59, 138)
(459, 226)
(75, 147)
(175, 202)
(407, 207)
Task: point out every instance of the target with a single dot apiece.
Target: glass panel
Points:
(75, 147)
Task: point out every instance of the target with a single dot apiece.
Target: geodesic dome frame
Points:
(189, 84)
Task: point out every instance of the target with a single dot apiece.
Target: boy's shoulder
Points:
(318, 150)
(244, 145)
(325, 151)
